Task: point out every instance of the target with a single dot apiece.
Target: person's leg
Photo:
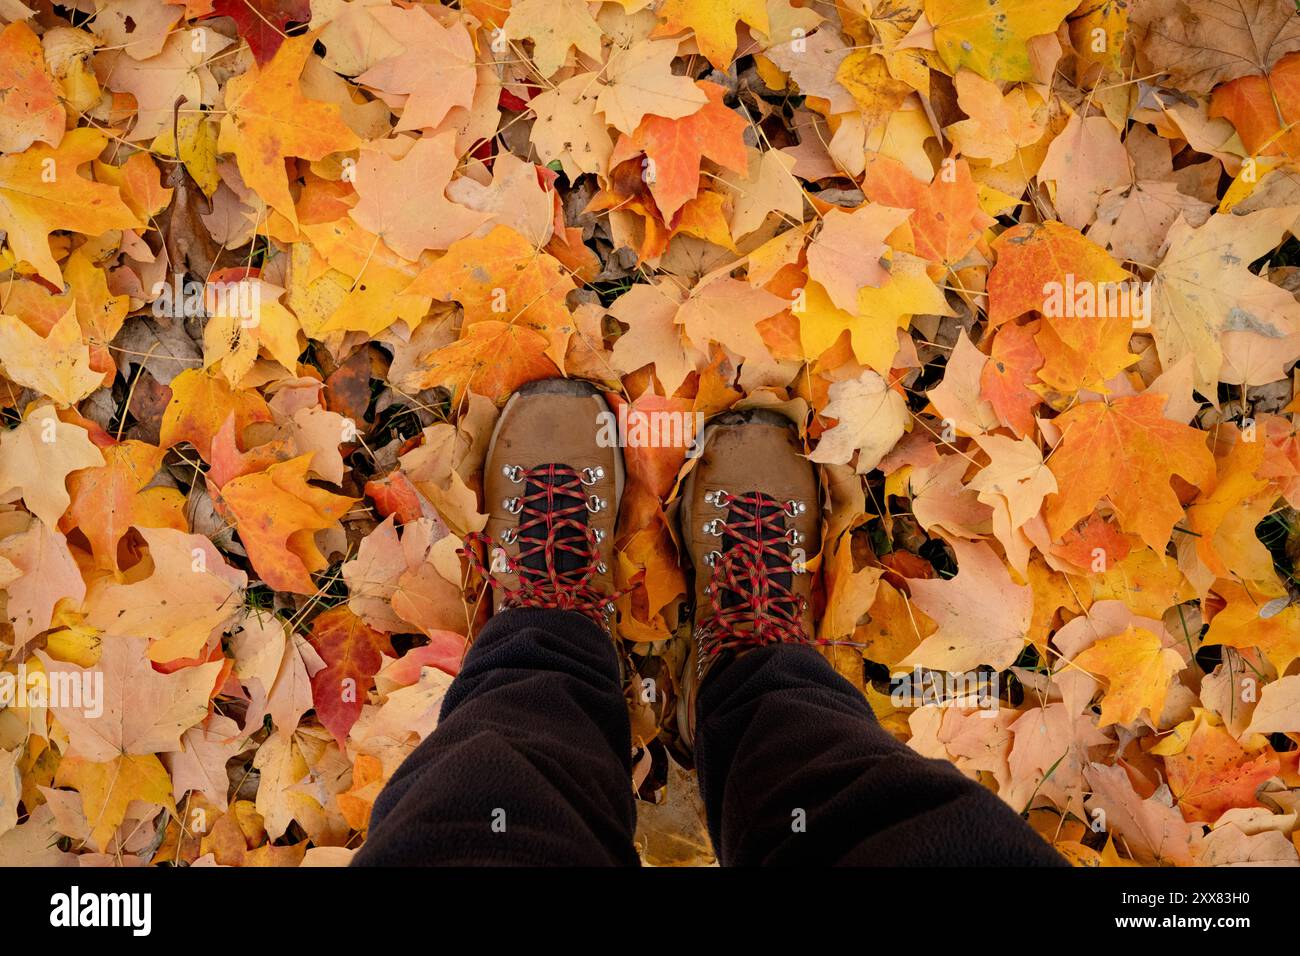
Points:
(795, 770)
(531, 760)
(793, 766)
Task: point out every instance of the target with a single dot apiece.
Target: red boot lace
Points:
(751, 588)
(558, 550)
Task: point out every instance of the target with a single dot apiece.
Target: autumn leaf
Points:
(277, 513)
(491, 358)
(268, 120)
(189, 594)
(41, 191)
(39, 572)
(946, 216)
(434, 72)
(554, 26)
(352, 654)
(971, 630)
(1213, 41)
(676, 148)
(385, 186)
(1006, 379)
(653, 336)
(870, 420)
(1202, 288)
(1083, 353)
(36, 458)
(845, 255)
(57, 365)
(640, 80)
(1033, 258)
(1155, 832)
(728, 311)
(501, 277)
(143, 711)
(1241, 624)
(200, 404)
(262, 22)
(108, 787)
(991, 38)
(31, 110)
(108, 500)
(1125, 451)
(874, 322)
(1213, 773)
(1139, 671)
(713, 24)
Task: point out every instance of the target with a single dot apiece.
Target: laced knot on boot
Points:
(559, 551)
(753, 601)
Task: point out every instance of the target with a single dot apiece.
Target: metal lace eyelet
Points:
(794, 537)
(712, 558)
(600, 535)
(509, 535)
(513, 472)
(513, 505)
(592, 475)
(609, 608)
(718, 498)
(601, 567)
(795, 508)
(596, 503)
(713, 527)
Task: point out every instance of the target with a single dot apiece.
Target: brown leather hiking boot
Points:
(749, 516)
(552, 494)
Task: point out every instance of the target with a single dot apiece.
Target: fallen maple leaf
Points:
(31, 110)
(1139, 670)
(991, 36)
(277, 514)
(676, 148)
(352, 653)
(713, 23)
(143, 711)
(268, 120)
(1125, 451)
(40, 191)
(870, 417)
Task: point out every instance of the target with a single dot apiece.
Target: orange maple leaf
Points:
(277, 514)
(1032, 255)
(675, 148)
(1127, 452)
(107, 500)
(268, 120)
(946, 216)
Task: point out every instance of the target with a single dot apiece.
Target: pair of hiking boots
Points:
(748, 510)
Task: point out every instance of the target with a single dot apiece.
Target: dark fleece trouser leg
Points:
(534, 733)
(534, 738)
(794, 769)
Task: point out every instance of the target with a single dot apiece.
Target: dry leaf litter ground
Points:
(1023, 273)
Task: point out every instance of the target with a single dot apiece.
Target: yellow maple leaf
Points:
(40, 191)
(57, 365)
(714, 23)
(1138, 670)
(108, 788)
(990, 36)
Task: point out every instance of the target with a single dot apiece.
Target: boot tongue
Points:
(552, 499)
(745, 518)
